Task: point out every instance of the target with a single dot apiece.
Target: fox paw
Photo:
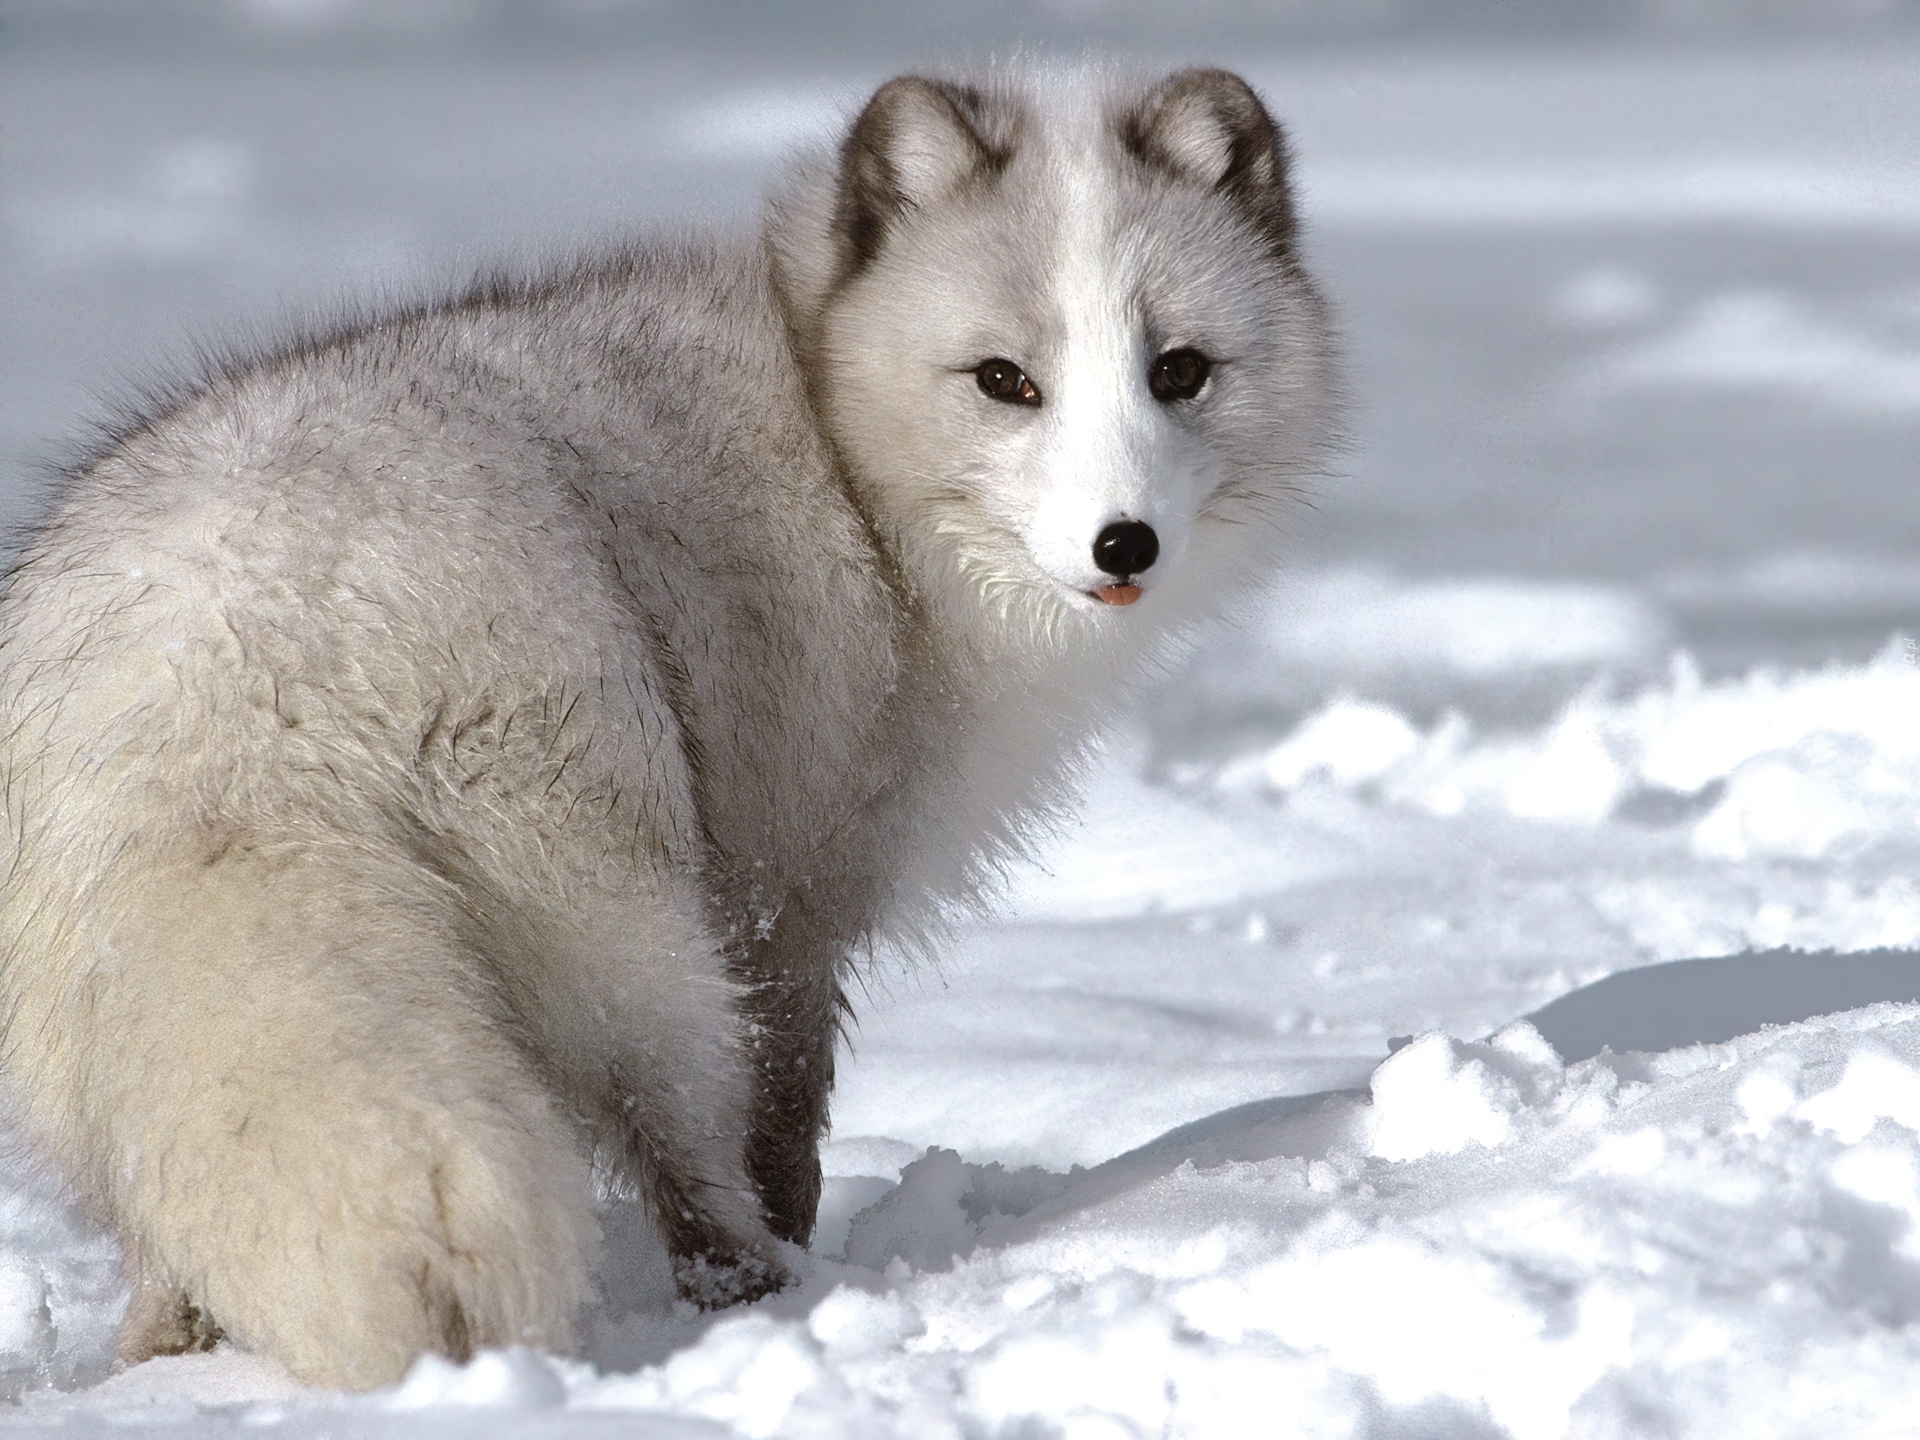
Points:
(714, 1282)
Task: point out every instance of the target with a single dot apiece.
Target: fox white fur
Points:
(453, 761)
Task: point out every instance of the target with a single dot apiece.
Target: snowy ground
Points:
(1593, 660)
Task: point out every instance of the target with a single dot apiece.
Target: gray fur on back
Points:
(461, 751)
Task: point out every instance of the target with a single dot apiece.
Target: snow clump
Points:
(1772, 766)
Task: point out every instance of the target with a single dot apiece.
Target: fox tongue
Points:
(1118, 594)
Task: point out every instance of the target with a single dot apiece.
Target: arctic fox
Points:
(451, 762)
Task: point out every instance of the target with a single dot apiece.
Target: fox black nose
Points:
(1126, 547)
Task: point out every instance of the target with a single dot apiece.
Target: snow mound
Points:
(1724, 1240)
(1775, 765)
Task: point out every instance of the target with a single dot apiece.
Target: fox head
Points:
(1062, 341)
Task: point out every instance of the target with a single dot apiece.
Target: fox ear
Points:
(1209, 128)
(915, 143)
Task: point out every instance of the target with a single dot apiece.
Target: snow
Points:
(1780, 765)
(1480, 995)
(1496, 1244)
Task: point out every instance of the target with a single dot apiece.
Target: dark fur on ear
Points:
(1209, 128)
(917, 141)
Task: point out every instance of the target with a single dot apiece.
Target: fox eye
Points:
(1178, 375)
(1004, 380)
